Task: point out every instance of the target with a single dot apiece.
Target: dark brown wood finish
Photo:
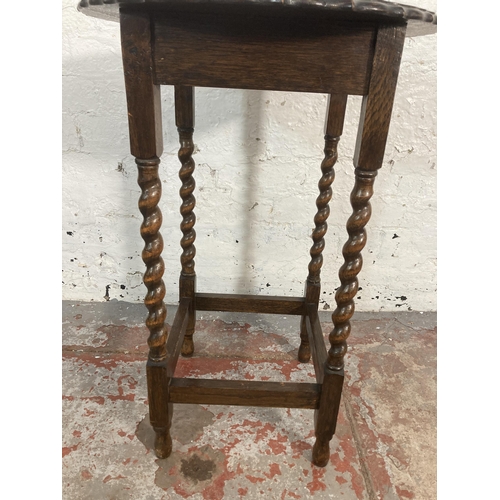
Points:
(316, 341)
(143, 95)
(249, 303)
(224, 49)
(374, 127)
(334, 124)
(420, 21)
(176, 335)
(325, 418)
(244, 393)
(146, 144)
(338, 47)
(376, 108)
(184, 119)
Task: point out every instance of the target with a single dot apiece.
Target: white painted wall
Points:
(258, 161)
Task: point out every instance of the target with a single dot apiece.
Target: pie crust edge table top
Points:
(419, 21)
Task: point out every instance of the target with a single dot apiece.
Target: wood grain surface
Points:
(226, 50)
(244, 393)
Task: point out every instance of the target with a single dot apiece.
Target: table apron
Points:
(294, 55)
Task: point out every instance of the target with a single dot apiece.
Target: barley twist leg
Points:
(184, 119)
(326, 418)
(318, 236)
(187, 225)
(334, 124)
(150, 231)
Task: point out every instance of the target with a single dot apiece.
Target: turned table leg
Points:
(370, 146)
(144, 113)
(184, 119)
(333, 130)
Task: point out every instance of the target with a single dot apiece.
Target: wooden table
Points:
(337, 47)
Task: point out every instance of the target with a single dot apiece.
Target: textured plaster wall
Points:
(258, 158)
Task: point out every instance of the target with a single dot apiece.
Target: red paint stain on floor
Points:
(404, 493)
(96, 399)
(355, 390)
(179, 489)
(130, 382)
(247, 423)
(311, 434)
(216, 490)
(277, 445)
(274, 470)
(380, 476)
(109, 478)
(395, 450)
(230, 446)
(288, 368)
(254, 479)
(66, 450)
(298, 447)
(346, 465)
(121, 397)
(242, 491)
(179, 486)
(316, 484)
(85, 474)
(264, 431)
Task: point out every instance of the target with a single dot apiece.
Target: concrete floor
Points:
(384, 448)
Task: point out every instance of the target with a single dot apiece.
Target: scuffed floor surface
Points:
(384, 447)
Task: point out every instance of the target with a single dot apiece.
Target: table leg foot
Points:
(304, 353)
(187, 347)
(163, 442)
(321, 453)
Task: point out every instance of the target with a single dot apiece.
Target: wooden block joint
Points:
(316, 341)
(176, 335)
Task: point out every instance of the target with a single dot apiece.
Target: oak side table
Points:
(335, 47)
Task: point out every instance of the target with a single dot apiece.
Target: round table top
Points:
(420, 21)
